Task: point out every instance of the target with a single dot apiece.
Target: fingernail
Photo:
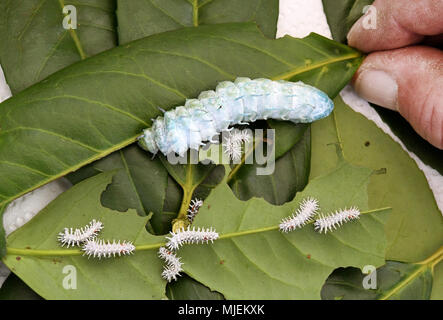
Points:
(351, 33)
(377, 87)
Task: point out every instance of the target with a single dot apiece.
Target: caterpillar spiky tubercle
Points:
(173, 265)
(107, 249)
(330, 222)
(308, 208)
(74, 237)
(232, 144)
(190, 236)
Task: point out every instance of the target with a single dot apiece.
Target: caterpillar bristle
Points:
(194, 206)
(173, 265)
(190, 236)
(74, 237)
(105, 249)
(331, 222)
(308, 208)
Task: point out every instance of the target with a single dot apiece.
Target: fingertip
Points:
(352, 35)
(408, 80)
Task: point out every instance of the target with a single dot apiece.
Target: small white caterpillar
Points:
(74, 237)
(194, 206)
(233, 143)
(239, 102)
(326, 222)
(189, 236)
(308, 208)
(173, 265)
(106, 249)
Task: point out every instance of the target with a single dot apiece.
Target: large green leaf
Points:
(34, 44)
(64, 122)
(133, 277)
(140, 182)
(253, 260)
(138, 19)
(400, 184)
(393, 281)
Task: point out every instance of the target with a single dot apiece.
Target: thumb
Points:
(409, 80)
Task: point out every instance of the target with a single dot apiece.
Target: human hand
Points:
(405, 78)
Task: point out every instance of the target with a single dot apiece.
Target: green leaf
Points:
(34, 44)
(253, 260)
(130, 277)
(140, 182)
(400, 184)
(342, 14)
(393, 281)
(64, 123)
(139, 19)
(291, 174)
(187, 288)
(15, 289)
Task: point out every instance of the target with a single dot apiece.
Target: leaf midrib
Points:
(230, 235)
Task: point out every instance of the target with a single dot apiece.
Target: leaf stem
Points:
(195, 13)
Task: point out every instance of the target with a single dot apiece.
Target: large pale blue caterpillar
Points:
(239, 102)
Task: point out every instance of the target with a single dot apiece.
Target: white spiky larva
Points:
(308, 208)
(232, 144)
(106, 249)
(329, 222)
(189, 236)
(75, 237)
(173, 265)
(194, 206)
